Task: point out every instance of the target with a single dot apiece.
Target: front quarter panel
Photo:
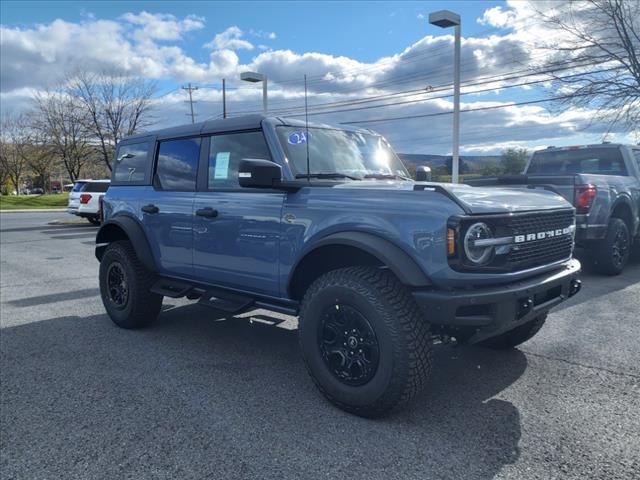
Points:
(413, 221)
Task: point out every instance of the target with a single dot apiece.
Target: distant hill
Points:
(442, 163)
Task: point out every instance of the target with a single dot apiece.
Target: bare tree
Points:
(4, 173)
(602, 38)
(117, 105)
(14, 140)
(61, 124)
(41, 156)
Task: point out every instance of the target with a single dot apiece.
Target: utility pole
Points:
(191, 89)
(224, 99)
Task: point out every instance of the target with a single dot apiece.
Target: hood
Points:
(476, 200)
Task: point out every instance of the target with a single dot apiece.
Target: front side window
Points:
(177, 165)
(227, 151)
(132, 163)
(343, 152)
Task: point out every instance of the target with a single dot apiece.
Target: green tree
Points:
(491, 169)
(514, 160)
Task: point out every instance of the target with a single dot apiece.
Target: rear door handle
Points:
(207, 212)
(150, 209)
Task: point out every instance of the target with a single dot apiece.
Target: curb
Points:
(34, 210)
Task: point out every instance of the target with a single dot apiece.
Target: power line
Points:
(477, 109)
(521, 84)
(478, 81)
(487, 80)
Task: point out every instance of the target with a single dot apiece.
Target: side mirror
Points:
(256, 173)
(423, 174)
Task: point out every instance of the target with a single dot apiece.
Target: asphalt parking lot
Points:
(199, 395)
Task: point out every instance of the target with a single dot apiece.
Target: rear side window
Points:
(599, 161)
(132, 164)
(177, 165)
(97, 187)
(77, 187)
(225, 154)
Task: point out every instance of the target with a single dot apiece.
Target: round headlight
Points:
(478, 254)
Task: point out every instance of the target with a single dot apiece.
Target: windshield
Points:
(340, 152)
(599, 161)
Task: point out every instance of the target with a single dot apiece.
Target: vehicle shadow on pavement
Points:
(202, 395)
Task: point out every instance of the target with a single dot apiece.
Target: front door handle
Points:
(150, 208)
(207, 212)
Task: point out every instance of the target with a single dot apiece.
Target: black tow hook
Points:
(575, 287)
(526, 304)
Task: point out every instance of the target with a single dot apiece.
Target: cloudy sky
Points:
(373, 62)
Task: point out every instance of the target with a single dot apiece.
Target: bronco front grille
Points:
(542, 251)
(530, 240)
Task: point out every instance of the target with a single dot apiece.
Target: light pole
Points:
(254, 77)
(446, 19)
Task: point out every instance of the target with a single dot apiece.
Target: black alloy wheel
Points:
(348, 345)
(364, 340)
(620, 249)
(117, 287)
(125, 287)
(612, 253)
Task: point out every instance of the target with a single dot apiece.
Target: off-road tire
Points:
(606, 261)
(404, 339)
(141, 307)
(517, 336)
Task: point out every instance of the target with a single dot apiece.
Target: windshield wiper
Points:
(327, 176)
(382, 176)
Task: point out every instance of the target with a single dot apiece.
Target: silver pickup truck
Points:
(603, 183)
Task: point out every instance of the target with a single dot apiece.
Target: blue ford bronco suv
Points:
(324, 222)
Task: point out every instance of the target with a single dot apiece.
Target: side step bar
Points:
(171, 288)
(225, 301)
(218, 298)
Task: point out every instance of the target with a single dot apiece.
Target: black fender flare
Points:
(624, 199)
(125, 228)
(397, 260)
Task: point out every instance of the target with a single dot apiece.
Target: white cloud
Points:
(150, 45)
(498, 17)
(421, 16)
(160, 26)
(230, 39)
(263, 34)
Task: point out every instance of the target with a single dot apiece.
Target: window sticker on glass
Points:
(222, 165)
(298, 138)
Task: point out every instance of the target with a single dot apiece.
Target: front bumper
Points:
(494, 310)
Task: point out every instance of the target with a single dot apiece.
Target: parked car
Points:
(37, 191)
(603, 183)
(84, 199)
(325, 223)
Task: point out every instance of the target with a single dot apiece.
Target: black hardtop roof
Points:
(245, 122)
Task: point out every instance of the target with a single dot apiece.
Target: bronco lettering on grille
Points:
(542, 235)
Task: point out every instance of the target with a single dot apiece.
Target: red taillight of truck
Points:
(84, 198)
(584, 195)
